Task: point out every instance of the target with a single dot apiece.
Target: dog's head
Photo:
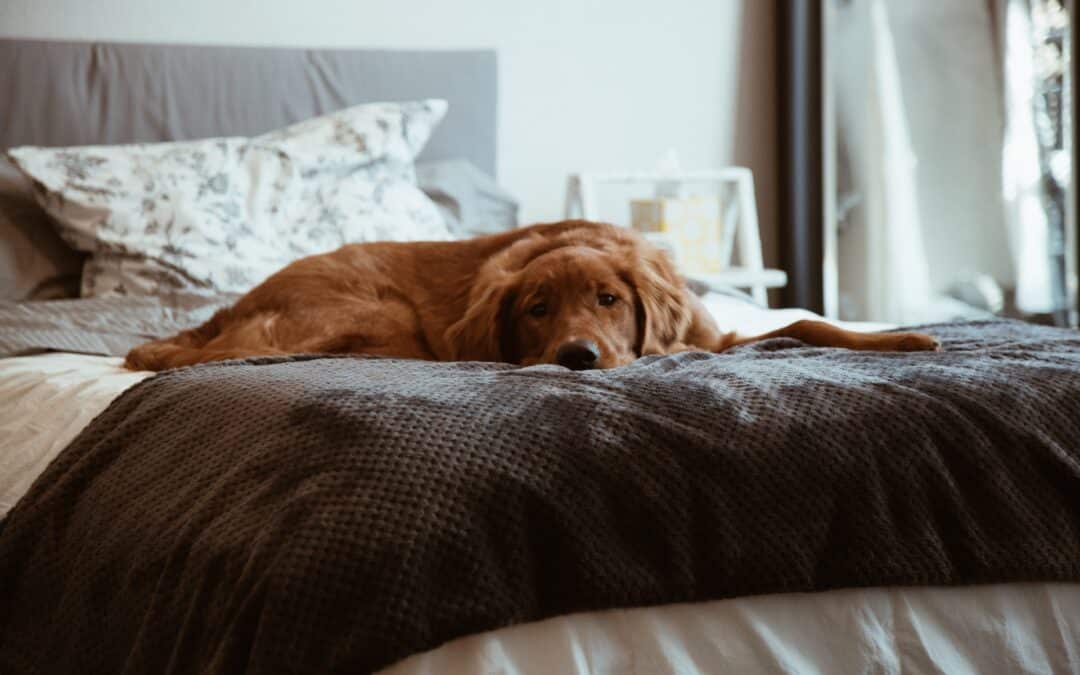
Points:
(590, 297)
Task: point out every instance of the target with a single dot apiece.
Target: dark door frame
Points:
(799, 44)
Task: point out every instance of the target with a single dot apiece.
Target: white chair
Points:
(739, 217)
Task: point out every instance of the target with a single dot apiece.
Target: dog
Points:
(579, 294)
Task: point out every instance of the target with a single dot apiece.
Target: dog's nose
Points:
(578, 354)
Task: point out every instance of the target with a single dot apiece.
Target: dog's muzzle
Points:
(578, 355)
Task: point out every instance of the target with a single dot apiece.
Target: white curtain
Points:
(1029, 228)
(884, 266)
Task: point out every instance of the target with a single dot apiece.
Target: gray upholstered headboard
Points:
(78, 93)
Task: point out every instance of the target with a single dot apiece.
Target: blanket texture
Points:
(334, 515)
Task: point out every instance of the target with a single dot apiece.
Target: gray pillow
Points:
(35, 263)
(471, 202)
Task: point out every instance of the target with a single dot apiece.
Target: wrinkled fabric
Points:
(472, 203)
(106, 326)
(35, 263)
(45, 401)
(991, 628)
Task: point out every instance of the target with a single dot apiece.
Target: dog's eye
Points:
(539, 309)
(606, 299)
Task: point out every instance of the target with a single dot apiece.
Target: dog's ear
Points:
(664, 312)
(482, 334)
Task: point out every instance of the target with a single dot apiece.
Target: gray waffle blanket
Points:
(303, 514)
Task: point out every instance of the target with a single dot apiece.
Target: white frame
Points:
(752, 274)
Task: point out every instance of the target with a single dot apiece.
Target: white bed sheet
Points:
(734, 314)
(46, 400)
(1004, 628)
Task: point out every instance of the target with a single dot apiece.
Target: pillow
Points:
(472, 203)
(220, 215)
(35, 263)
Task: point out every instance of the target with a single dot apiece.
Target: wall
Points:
(585, 85)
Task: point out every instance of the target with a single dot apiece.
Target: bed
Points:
(778, 509)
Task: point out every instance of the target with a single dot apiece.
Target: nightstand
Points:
(739, 218)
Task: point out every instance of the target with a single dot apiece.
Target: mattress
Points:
(45, 400)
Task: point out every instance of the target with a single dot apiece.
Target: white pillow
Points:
(220, 215)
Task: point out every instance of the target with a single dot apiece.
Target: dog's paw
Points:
(915, 342)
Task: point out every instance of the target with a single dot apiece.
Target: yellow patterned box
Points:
(690, 227)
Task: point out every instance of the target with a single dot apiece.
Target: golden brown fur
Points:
(601, 293)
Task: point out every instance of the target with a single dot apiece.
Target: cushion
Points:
(35, 263)
(220, 215)
(471, 201)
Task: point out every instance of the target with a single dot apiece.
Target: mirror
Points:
(948, 160)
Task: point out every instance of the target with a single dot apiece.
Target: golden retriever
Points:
(579, 294)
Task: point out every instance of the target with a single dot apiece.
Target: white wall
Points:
(585, 84)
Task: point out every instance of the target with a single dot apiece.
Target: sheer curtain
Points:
(883, 259)
(1035, 216)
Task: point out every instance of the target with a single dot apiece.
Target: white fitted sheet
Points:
(46, 400)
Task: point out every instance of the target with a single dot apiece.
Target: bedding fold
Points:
(105, 326)
(337, 514)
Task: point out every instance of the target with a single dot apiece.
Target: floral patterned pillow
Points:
(220, 215)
